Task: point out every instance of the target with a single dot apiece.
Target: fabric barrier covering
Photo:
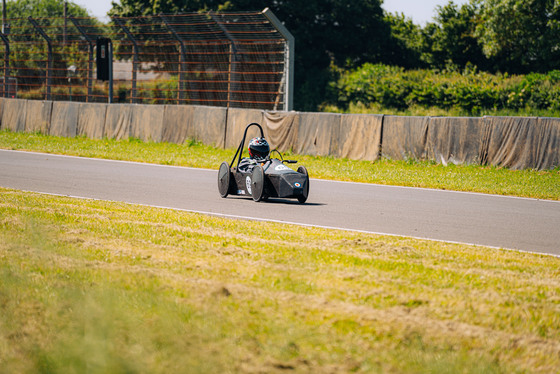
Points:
(147, 122)
(548, 144)
(38, 118)
(318, 134)
(281, 129)
(237, 121)
(209, 125)
(13, 114)
(510, 142)
(404, 137)
(177, 124)
(457, 140)
(117, 121)
(64, 120)
(91, 120)
(360, 136)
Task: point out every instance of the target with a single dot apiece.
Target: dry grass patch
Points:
(108, 287)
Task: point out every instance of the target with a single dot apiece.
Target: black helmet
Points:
(259, 148)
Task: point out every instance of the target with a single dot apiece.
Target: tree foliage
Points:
(453, 37)
(407, 43)
(520, 35)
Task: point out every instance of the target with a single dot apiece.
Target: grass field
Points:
(485, 179)
(99, 287)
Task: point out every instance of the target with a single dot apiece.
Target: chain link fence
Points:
(240, 60)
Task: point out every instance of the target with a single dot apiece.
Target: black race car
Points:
(270, 177)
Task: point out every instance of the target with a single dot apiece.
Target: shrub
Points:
(470, 91)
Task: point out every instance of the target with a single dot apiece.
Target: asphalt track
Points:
(489, 220)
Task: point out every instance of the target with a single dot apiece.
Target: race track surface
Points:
(507, 222)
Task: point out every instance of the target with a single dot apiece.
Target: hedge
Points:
(470, 90)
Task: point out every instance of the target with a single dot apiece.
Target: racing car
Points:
(267, 177)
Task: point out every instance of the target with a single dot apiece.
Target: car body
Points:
(267, 178)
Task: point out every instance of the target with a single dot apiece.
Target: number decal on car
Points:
(248, 184)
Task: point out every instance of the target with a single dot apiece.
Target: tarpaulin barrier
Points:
(281, 129)
(38, 117)
(147, 122)
(177, 124)
(457, 140)
(91, 120)
(510, 142)
(209, 125)
(64, 119)
(117, 121)
(318, 134)
(521, 142)
(13, 114)
(360, 136)
(548, 145)
(237, 121)
(404, 137)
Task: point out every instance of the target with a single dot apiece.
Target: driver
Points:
(258, 152)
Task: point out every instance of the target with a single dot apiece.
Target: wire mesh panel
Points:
(219, 59)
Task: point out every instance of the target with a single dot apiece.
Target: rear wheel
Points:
(224, 178)
(303, 197)
(257, 183)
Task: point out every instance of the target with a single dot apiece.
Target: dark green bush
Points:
(470, 90)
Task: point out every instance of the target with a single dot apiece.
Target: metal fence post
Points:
(288, 58)
(110, 51)
(50, 55)
(134, 59)
(232, 70)
(183, 59)
(6, 65)
(91, 43)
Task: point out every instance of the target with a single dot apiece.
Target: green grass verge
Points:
(525, 183)
(100, 287)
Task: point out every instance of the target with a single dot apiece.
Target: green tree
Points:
(520, 35)
(327, 32)
(407, 45)
(453, 39)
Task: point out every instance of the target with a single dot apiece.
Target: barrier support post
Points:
(135, 59)
(182, 62)
(288, 58)
(6, 65)
(50, 55)
(91, 43)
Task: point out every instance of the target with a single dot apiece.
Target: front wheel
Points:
(257, 183)
(224, 178)
(303, 197)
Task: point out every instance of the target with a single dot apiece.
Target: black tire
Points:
(303, 197)
(224, 178)
(257, 183)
